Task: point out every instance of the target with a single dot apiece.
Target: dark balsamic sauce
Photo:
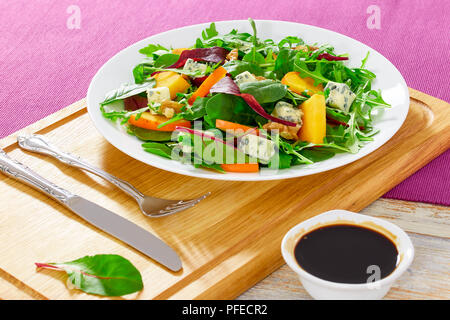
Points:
(343, 253)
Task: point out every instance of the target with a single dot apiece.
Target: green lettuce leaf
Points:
(102, 274)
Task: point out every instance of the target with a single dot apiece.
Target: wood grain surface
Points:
(227, 243)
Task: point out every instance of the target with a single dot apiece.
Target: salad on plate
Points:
(239, 103)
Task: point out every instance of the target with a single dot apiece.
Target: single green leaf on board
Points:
(102, 274)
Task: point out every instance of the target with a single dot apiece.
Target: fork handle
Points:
(20, 172)
(38, 143)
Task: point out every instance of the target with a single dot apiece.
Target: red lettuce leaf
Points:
(227, 85)
(213, 54)
(198, 81)
(134, 103)
(330, 57)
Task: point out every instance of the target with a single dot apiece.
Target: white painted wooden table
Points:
(428, 276)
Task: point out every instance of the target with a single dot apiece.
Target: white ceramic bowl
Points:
(323, 289)
(118, 70)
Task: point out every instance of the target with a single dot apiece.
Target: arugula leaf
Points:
(295, 97)
(102, 274)
(315, 74)
(191, 113)
(292, 41)
(151, 48)
(115, 111)
(364, 61)
(283, 161)
(127, 90)
(210, 32)
(284, 62)
(288, 148)
(253, 56)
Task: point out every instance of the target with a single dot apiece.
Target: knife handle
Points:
(38, 143)
(22, 173)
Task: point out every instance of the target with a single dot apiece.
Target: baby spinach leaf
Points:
(264, 91)
(166, 60)
(102, 274)
(317, 154)
(212, 166)
(210, 148)
(160, 149)
(283, 162)
(197, 110)
(236, 67)
(220, 106)
(139, 74)
(149, 135)
(254, 57)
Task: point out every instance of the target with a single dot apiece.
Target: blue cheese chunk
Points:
(244, 46)
(257, 147)
(193, 66)
(288, 112)
(158, 95)
(340, 96)
(244, 77)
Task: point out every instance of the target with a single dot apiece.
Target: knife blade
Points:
(125, 230)
(102, 218)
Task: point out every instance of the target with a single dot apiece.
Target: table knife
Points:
(111, 223)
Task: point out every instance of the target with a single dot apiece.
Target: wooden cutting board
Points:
(227, 243)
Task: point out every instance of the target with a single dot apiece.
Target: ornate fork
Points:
(150, 206)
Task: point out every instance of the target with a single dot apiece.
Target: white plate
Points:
(118, 70)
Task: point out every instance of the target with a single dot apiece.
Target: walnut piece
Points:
(233, 55)
(287, 132)
(170, 108)
(305, 48)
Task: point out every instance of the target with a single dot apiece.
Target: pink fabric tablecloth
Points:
(45, 65)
